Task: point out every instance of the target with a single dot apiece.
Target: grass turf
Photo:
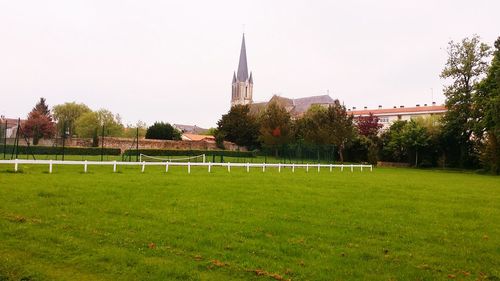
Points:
(390, 224)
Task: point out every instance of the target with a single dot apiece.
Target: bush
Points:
(69, 150)
(176, 152)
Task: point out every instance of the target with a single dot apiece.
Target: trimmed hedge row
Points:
(176, 152)
(68, 150)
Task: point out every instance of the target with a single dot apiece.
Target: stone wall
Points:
(126, 143)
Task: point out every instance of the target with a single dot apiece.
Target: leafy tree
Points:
(130, 130)
(39, 124)
(368, 126)
(314, 126)
(163, 131)
(414, 137)
(238, 126)
(487, 107)
(90, 124)
(66, 115)
(393, 147)
(341, 127)
(275, 126)
(466, 64)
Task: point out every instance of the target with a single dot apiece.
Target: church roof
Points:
(242, 74)
(303, 104)
(296, 107)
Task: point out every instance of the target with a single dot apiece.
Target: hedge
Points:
(176, 152)
(68, 150)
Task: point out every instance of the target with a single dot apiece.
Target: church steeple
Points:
(242, 86)
(242, 65)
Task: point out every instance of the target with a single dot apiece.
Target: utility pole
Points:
(137, 145)
(5, 139)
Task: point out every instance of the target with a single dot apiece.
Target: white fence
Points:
(209, 165)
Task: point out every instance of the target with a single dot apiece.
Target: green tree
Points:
(90, 124)
(238, 126)
(275, 126)
(393, 148)
(341, 127)
(163, 131)
(466, 65)
(39, 124)
(487, 107)
(130, 131)
(66, 115)
(414, 137)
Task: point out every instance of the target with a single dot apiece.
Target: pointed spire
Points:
(234, 77)
(242, 66)
(250, 79)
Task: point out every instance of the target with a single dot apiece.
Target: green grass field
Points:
(390, 224)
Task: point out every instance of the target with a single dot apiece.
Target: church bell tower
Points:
(242, 86)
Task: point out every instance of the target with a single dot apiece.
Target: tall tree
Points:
(487, 107)
(66, 115)
(238, 126)
(89, 124)
(39, 124)
(466, 65)
(341, 127)
(163, 131)
(275, 126)
(414, 137)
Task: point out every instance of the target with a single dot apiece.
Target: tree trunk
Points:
(341, 155)
(416, 157)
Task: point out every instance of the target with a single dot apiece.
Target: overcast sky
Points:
(173, 60)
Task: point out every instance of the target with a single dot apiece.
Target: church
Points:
(242, 92)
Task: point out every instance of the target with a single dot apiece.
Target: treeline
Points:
(73, 119)
(467, 136)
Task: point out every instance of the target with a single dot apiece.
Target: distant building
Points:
(242, 92)
(296, 107)
(388, 115)
(11, 128)
(242, 85)
(190, 129)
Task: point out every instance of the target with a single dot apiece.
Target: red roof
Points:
(416, 109)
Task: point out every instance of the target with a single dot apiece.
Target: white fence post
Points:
(293, 167)
(228, 167)
(342, 167)
(331, 166)
(166, 168)
(189, 167)
(248, 167)
(209, 166)
(114, 166)
(263, 167)
(371, 168)
(279, 167)
(16, 165)
(143, 166)
(85, 167)
(50, 166)
(319, 165)
(361, 168)
(307, 167)
(352, 169)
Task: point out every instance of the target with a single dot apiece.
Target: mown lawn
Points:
(390, 224)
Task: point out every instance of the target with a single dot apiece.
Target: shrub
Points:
(69, 150)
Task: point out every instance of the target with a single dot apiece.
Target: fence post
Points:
(166, 167)
(114, 166)
(293, 167)
(85, 167)
(50, 166)
(189, 167)
(371, 168)
(307, 167)
(319, 165)
(16, 165)
(279, 167)
(228, 167)
(342, 167)
(263, 167)
(361, 168)
(331, 167)
(248, 167)
(209, 166)
(352, 169)
(143, 166)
